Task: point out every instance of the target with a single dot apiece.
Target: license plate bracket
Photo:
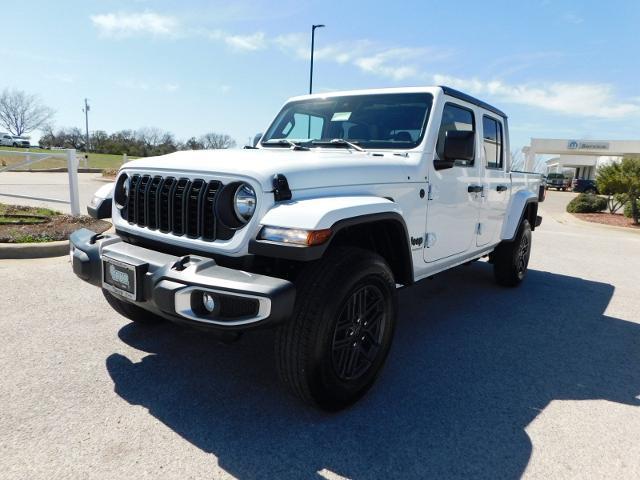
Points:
(121, 277)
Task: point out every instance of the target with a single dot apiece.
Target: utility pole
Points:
(86, 124)
(313, 35)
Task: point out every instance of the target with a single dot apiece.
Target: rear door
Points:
(452, 213)
(496, 184)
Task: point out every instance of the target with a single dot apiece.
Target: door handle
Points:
(475, 188)
(501, 188)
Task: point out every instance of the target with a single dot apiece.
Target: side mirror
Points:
(256, 139)
(458, 145)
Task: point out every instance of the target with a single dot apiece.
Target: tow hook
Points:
(181, 263)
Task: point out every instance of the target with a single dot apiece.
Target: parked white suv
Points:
(8, 140)
(347, 196)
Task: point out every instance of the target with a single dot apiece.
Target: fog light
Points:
(208, 302)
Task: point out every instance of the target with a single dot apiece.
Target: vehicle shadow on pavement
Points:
(471, 366)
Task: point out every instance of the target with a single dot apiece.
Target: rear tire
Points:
(132, 312)
(334, 346)
(511, 259)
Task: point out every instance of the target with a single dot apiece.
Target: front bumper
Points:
(171, 286)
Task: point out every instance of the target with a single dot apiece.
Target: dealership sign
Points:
(582, 145)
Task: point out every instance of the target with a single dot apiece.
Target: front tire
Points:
(132, 312)
(511, 259)
(332, 349)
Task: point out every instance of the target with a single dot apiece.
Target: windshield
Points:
(380, 121)
(555, 176)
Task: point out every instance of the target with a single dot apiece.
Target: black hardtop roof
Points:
(468, 98)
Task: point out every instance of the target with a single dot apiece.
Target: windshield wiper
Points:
(339, 141)
(285, 142)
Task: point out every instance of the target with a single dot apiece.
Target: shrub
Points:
(627, 209)
(586, 203)
(616, 201)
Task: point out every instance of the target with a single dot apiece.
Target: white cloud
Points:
(395, 63)
(296, 43)
(398, 64)
(581, 99)
(129, 24)
(255, 41)
(391, 63)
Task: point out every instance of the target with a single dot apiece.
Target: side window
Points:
(456, 118)
(492, 141)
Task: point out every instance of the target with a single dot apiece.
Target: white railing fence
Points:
(31, 158)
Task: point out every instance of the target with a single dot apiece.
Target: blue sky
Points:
(558, 68)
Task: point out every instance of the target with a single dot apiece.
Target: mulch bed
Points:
(607, 219)
(56, 227)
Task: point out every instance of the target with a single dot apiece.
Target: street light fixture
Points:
(313, 35)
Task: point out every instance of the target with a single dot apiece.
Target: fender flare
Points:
(336, 213)
(515, 213)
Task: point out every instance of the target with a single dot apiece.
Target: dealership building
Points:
(581, 156)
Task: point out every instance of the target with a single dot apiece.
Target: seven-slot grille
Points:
(179, 206)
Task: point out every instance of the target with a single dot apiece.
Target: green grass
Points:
(28, 238)
(22, 219)
(19, 209)
(96, 160)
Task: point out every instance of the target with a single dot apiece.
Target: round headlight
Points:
(244, 202)
(121, 192)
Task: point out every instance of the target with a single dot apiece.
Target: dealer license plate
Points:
(119, 277)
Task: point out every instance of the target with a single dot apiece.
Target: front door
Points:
(452, 213)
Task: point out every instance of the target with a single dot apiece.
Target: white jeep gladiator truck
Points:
(345, 198)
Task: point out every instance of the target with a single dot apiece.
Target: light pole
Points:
(86, 124)
(313, 36)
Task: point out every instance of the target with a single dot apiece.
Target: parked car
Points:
(581, 185)
(557, 181)
(22, 142)
(346, 197)
(6, 140)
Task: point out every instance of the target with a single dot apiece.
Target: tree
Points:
(622, 178)
(21, 112)
(193, 144)
(217, 140)
(608, 180)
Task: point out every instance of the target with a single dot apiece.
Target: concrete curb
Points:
(34, 250)
(613, 227)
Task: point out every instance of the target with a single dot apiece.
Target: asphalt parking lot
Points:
(542, 381)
